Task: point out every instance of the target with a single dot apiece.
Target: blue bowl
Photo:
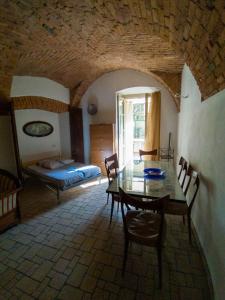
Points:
(152, 170)
(154, 173)
(155, 177)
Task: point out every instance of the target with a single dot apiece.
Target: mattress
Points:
(66, 175)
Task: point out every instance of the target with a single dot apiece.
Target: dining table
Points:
(135, 182)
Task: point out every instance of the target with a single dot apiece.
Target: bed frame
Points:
(52, 184)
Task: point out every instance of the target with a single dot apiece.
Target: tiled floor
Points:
(68, 251)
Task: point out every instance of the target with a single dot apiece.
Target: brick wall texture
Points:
(75, 42)
(36, 102)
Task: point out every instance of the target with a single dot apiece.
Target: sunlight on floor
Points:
(95, 182)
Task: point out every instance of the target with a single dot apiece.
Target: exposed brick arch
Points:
(73, 41)
(171, 82)
(38, 102)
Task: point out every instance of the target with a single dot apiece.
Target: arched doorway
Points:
(130, 122)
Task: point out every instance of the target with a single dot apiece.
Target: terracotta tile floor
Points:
(69, 251)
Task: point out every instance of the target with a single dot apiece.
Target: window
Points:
(139, 120)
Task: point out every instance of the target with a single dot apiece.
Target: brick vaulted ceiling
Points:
(75, 42)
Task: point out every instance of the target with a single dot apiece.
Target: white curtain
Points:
(128, 118)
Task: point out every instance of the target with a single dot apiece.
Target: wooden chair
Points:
(182, 161)
(9, 205)
(112, 168)
(142, 226)
(187, 179)
(152, 152)
(183, 173)
(185, 208)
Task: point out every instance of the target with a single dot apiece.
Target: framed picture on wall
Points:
(38, 128)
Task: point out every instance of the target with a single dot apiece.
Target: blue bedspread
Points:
(68, 174)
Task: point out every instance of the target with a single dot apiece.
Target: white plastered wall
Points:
(35, 147)
(39, 86)
(64, 127)
(59, 140)
(103, 93)
(201, 140)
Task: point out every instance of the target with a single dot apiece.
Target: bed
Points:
(61, 175)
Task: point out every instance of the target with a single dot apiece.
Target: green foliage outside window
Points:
(139, 120)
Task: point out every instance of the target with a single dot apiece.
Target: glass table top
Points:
(131, 179)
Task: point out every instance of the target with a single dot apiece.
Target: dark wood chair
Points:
(183, 173)
(112, 169)
(181, 163)
(143, 226)
(187, 179)
(185, 208)
(143, 153)
(112, 166)
(9, 205)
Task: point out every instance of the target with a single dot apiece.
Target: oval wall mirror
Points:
(38, 128)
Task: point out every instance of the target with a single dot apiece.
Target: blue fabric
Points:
(67, 175)
(71, 174)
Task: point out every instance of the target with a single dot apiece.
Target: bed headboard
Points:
(32, 160)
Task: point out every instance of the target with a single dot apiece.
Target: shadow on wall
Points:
(208, 187)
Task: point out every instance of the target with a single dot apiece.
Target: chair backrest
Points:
(112, 166)
(158, 205)
(187, 179)
(181, 163)
(183, 174)
(151, 152)
(193, 189)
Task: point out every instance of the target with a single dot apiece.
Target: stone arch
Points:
(171, 82)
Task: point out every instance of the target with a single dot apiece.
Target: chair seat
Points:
(143, 227)
(175, 208)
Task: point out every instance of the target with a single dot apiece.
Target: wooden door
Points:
(102, 143)
(76, 134)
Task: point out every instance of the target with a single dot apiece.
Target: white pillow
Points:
(66, 161)
(50, 164)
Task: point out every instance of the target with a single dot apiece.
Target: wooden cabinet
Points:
(76, 134)
(101, 143)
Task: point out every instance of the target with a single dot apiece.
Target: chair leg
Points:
(127, 206)
(184, 220)
(159, 255)
(126, 245)
(107, 198)
(118, 205)
(112, 207)
(189, 228)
